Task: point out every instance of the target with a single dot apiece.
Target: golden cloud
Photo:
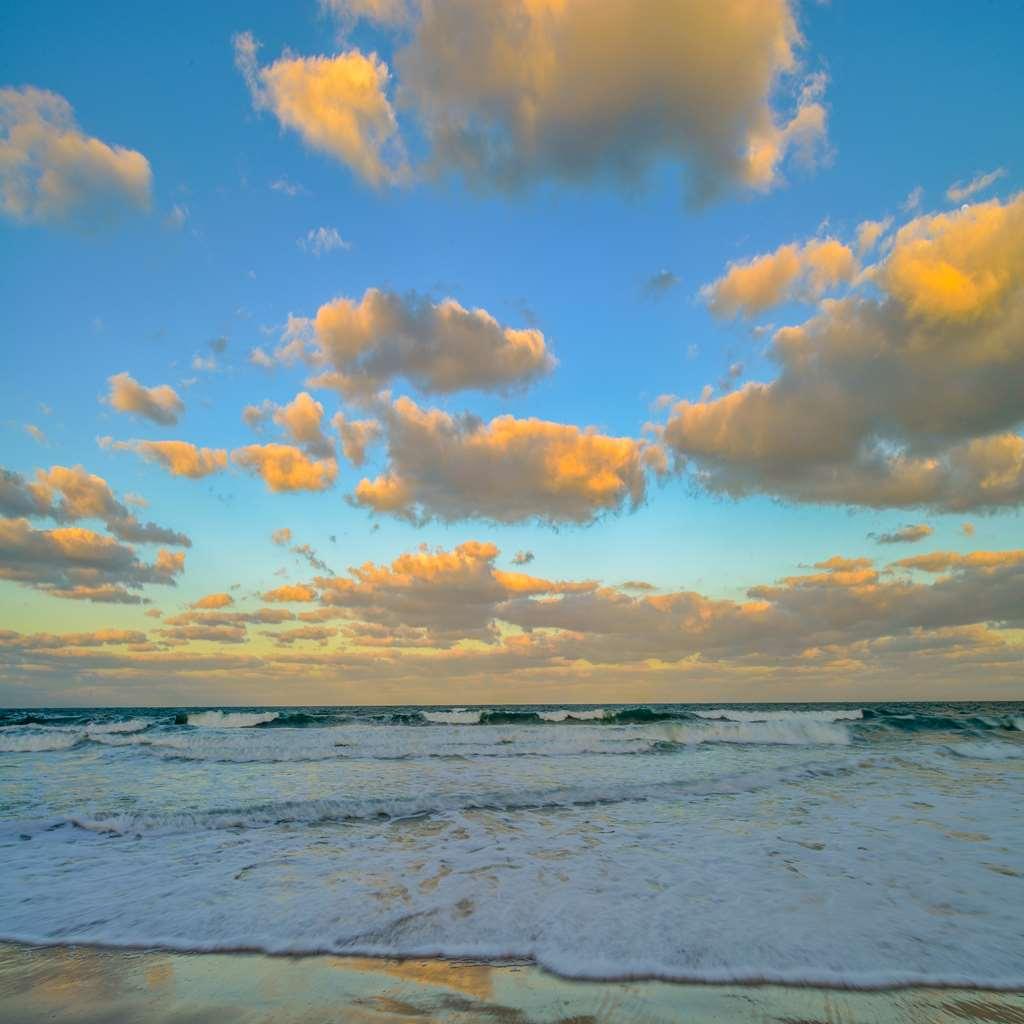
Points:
(286, 468)
(792, 271)
(161, 404)
(51, 173)
(440, 347)
(508, 470)
(905, 395)
(512, 91)
(338, 105)
(179, 458)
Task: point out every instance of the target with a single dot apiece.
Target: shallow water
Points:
(860, 845)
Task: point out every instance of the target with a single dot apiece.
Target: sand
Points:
(103, 986)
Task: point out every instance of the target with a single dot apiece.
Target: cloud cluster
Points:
(52, 173)
(69, 494)
(906, 392)
(74, 562)
(440, 347)
(511, 92)
(161, 403)
(449, 622)
(507, 470)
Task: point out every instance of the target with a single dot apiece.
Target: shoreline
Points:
(100, 984)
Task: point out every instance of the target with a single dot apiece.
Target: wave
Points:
(229, 719)
(36, 742)
(355, 810)
(997, 750)
(736, 715)
(126, 726)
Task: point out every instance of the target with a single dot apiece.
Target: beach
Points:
(85, 985)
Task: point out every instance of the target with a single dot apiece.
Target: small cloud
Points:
(323, 240)
(136, 499)
(175, 220)
(913, 201)
(205, 363)
(35, 433)
(288, 188)
(692, 351)
(658, 284)
(219, 345)
(45, 409)
(282, 536)
(909, 534)
(967, 529)
(960, 191)
(258, 357)
(640, 585)
(663, 402)
(522, 558)
(728, 381)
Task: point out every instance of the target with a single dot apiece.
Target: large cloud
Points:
(508, 470)
(440, 347)
(75, 562)
(68, 494)
(511, 91)
(51, 173)
(160, 403)
(338, 105)
(906, 392)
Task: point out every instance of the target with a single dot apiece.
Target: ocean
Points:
(839, 844)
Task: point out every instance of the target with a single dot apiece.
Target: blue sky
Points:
(917, 97)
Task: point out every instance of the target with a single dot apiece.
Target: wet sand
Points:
(102, 986)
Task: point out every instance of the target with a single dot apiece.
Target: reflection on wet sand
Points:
(85, 985)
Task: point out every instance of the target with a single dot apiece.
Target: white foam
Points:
(996, 750)
(736, 715)
(777, 731)
(580, 716)
(230, 719)
(128, 726)
(27, 743)
(457, 716)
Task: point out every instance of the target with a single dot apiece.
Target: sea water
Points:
(855, 844)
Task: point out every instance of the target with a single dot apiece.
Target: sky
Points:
(446, 352)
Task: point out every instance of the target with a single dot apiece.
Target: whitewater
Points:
(861, 845)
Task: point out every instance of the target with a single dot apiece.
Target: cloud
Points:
(77, 563)
(322, 240)
(522, 558)
(967, 529)
(68, 494)
(338, 105)
(441, 596)
(290, 592)
(286, 468)
(302, 420)
(944, 561)
(438, 347)
(179, 458)
(909, 534)
(356, 436)
(792, 271)
(176, 219)
(960, 191)
(904, 393)
(260, 358)
(161, 404)
(869, 232)
(35, 433)
(508, 470)
(316, 634)
(660, 283)
(213, 601)
(282, 536)
(51, 173)
(508, 91)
